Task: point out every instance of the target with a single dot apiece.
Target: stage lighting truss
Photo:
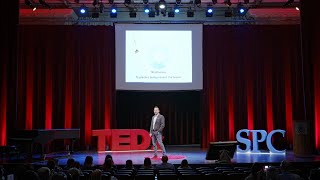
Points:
(152, 13)
(288, 3)
(145, 1)
(95, 2)
(44, 4)
(133, 13)
(127, 1)
(31, 4)
(162, 8)
(190, 12)
(197, 2)
(101, 7)
(228, 12)
(171, 13)
(228, 3)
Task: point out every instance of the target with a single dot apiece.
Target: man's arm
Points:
(150, 127)
(162, 123)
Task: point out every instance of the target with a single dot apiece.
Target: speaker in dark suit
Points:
(156, 128)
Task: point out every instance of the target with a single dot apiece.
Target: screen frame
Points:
(197, 58)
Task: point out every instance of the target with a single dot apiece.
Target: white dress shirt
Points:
(154, 120)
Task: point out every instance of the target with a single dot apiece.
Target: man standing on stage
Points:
(156, 128)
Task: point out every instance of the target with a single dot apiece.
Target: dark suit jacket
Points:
(159, 125)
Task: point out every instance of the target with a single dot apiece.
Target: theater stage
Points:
(194, 154)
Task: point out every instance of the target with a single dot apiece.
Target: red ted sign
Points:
(122, 139)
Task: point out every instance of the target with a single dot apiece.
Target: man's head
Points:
(88, 161)
(129, 163)
(164, 159)
(70, 162)
(147, 162)
(44, 172)
(285, 165)
(51, 164)
(156, 110)
(184, 163)
(256, 168)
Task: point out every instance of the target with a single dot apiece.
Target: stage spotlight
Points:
(197, 2)
(246, 1)
(31, 4)
(178, 1)
(127, 1)
(297, 8)
(111, 1)
(44, 4)
(146, 9)
(228, 2)
(113, 12)
(83, 9)
(190, 13)
(242, 10)
(176, 9)
(101, 7)
(214, 1)
(209, 11)
(145, 1)
(288, 3)
(95, 2)
(152, 13)
(162, 4)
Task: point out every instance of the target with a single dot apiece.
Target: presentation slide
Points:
(159, 57)
(168, 62)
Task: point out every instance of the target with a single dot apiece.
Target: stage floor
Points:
(194, 155)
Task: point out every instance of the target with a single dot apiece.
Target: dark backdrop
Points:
(8, 64)
(181, 110)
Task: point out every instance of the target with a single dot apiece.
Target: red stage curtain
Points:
(3, 104)
(66, 78)
(252, 79)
